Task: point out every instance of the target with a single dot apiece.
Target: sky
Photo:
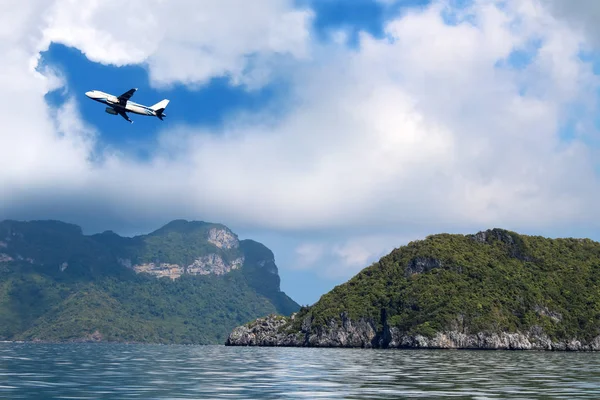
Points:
(332, 131)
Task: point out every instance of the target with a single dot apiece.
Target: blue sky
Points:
(329, 153)
(359, 15)
(207, 106)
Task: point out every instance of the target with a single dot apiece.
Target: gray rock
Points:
(510, 239)
(344, 332)
(419, 265)
(223, 238)
(264, 332)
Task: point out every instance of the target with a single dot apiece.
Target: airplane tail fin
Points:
(161, 104)
(159, 108)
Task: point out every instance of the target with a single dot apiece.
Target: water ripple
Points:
(115, 371)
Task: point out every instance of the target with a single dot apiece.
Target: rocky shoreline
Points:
(276, 331)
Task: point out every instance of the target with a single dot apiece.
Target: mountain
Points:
(187, 282)
(492, 290)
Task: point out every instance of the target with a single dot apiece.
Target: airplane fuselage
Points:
(113, 101)
(121, 105)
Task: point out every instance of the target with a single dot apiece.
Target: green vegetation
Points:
(195, 309)
(64, 286)
(261, 274)
(490, 282)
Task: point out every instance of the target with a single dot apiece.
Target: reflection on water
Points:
(111, 371)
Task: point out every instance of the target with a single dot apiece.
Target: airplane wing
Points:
(126, 96)
(122, 114)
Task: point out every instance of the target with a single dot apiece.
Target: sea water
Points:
(121, 371)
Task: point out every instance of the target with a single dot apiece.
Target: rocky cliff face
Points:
(213, 264)
(203, 265)
(276, 331)
(161, 270)
(223, 238)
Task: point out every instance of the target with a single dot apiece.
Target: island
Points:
(495, 289)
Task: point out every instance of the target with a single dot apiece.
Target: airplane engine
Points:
(111, 110)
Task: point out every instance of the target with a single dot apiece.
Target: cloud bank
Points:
(457, 118)
(183, 41)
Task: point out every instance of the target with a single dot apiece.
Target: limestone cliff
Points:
(275, 330)
(203, 265)
(223, 238)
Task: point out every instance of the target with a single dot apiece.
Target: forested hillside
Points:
(494, 289)
(187, 282)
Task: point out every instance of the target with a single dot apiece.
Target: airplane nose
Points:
(89, 94)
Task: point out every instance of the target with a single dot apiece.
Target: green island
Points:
(492, 290)
(185, 283)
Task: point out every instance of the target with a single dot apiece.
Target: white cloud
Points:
(342, 257)
(307, 254)
(183, 40)
(420, 129)
(582, 16)
(359, 252)
(38, 148)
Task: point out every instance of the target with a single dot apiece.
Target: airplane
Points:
(121, 105)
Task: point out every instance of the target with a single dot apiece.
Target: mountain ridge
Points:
(214, 281)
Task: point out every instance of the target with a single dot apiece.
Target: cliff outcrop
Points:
(276, 330)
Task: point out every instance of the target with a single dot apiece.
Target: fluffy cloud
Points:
(425, 127)
(354, 254)
(342, 256)
(439, 125)
(308, 254)
(183, 40)
(37, 146)
(50, 153)
(582, 15)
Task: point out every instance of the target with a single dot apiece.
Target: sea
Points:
(131, 371)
